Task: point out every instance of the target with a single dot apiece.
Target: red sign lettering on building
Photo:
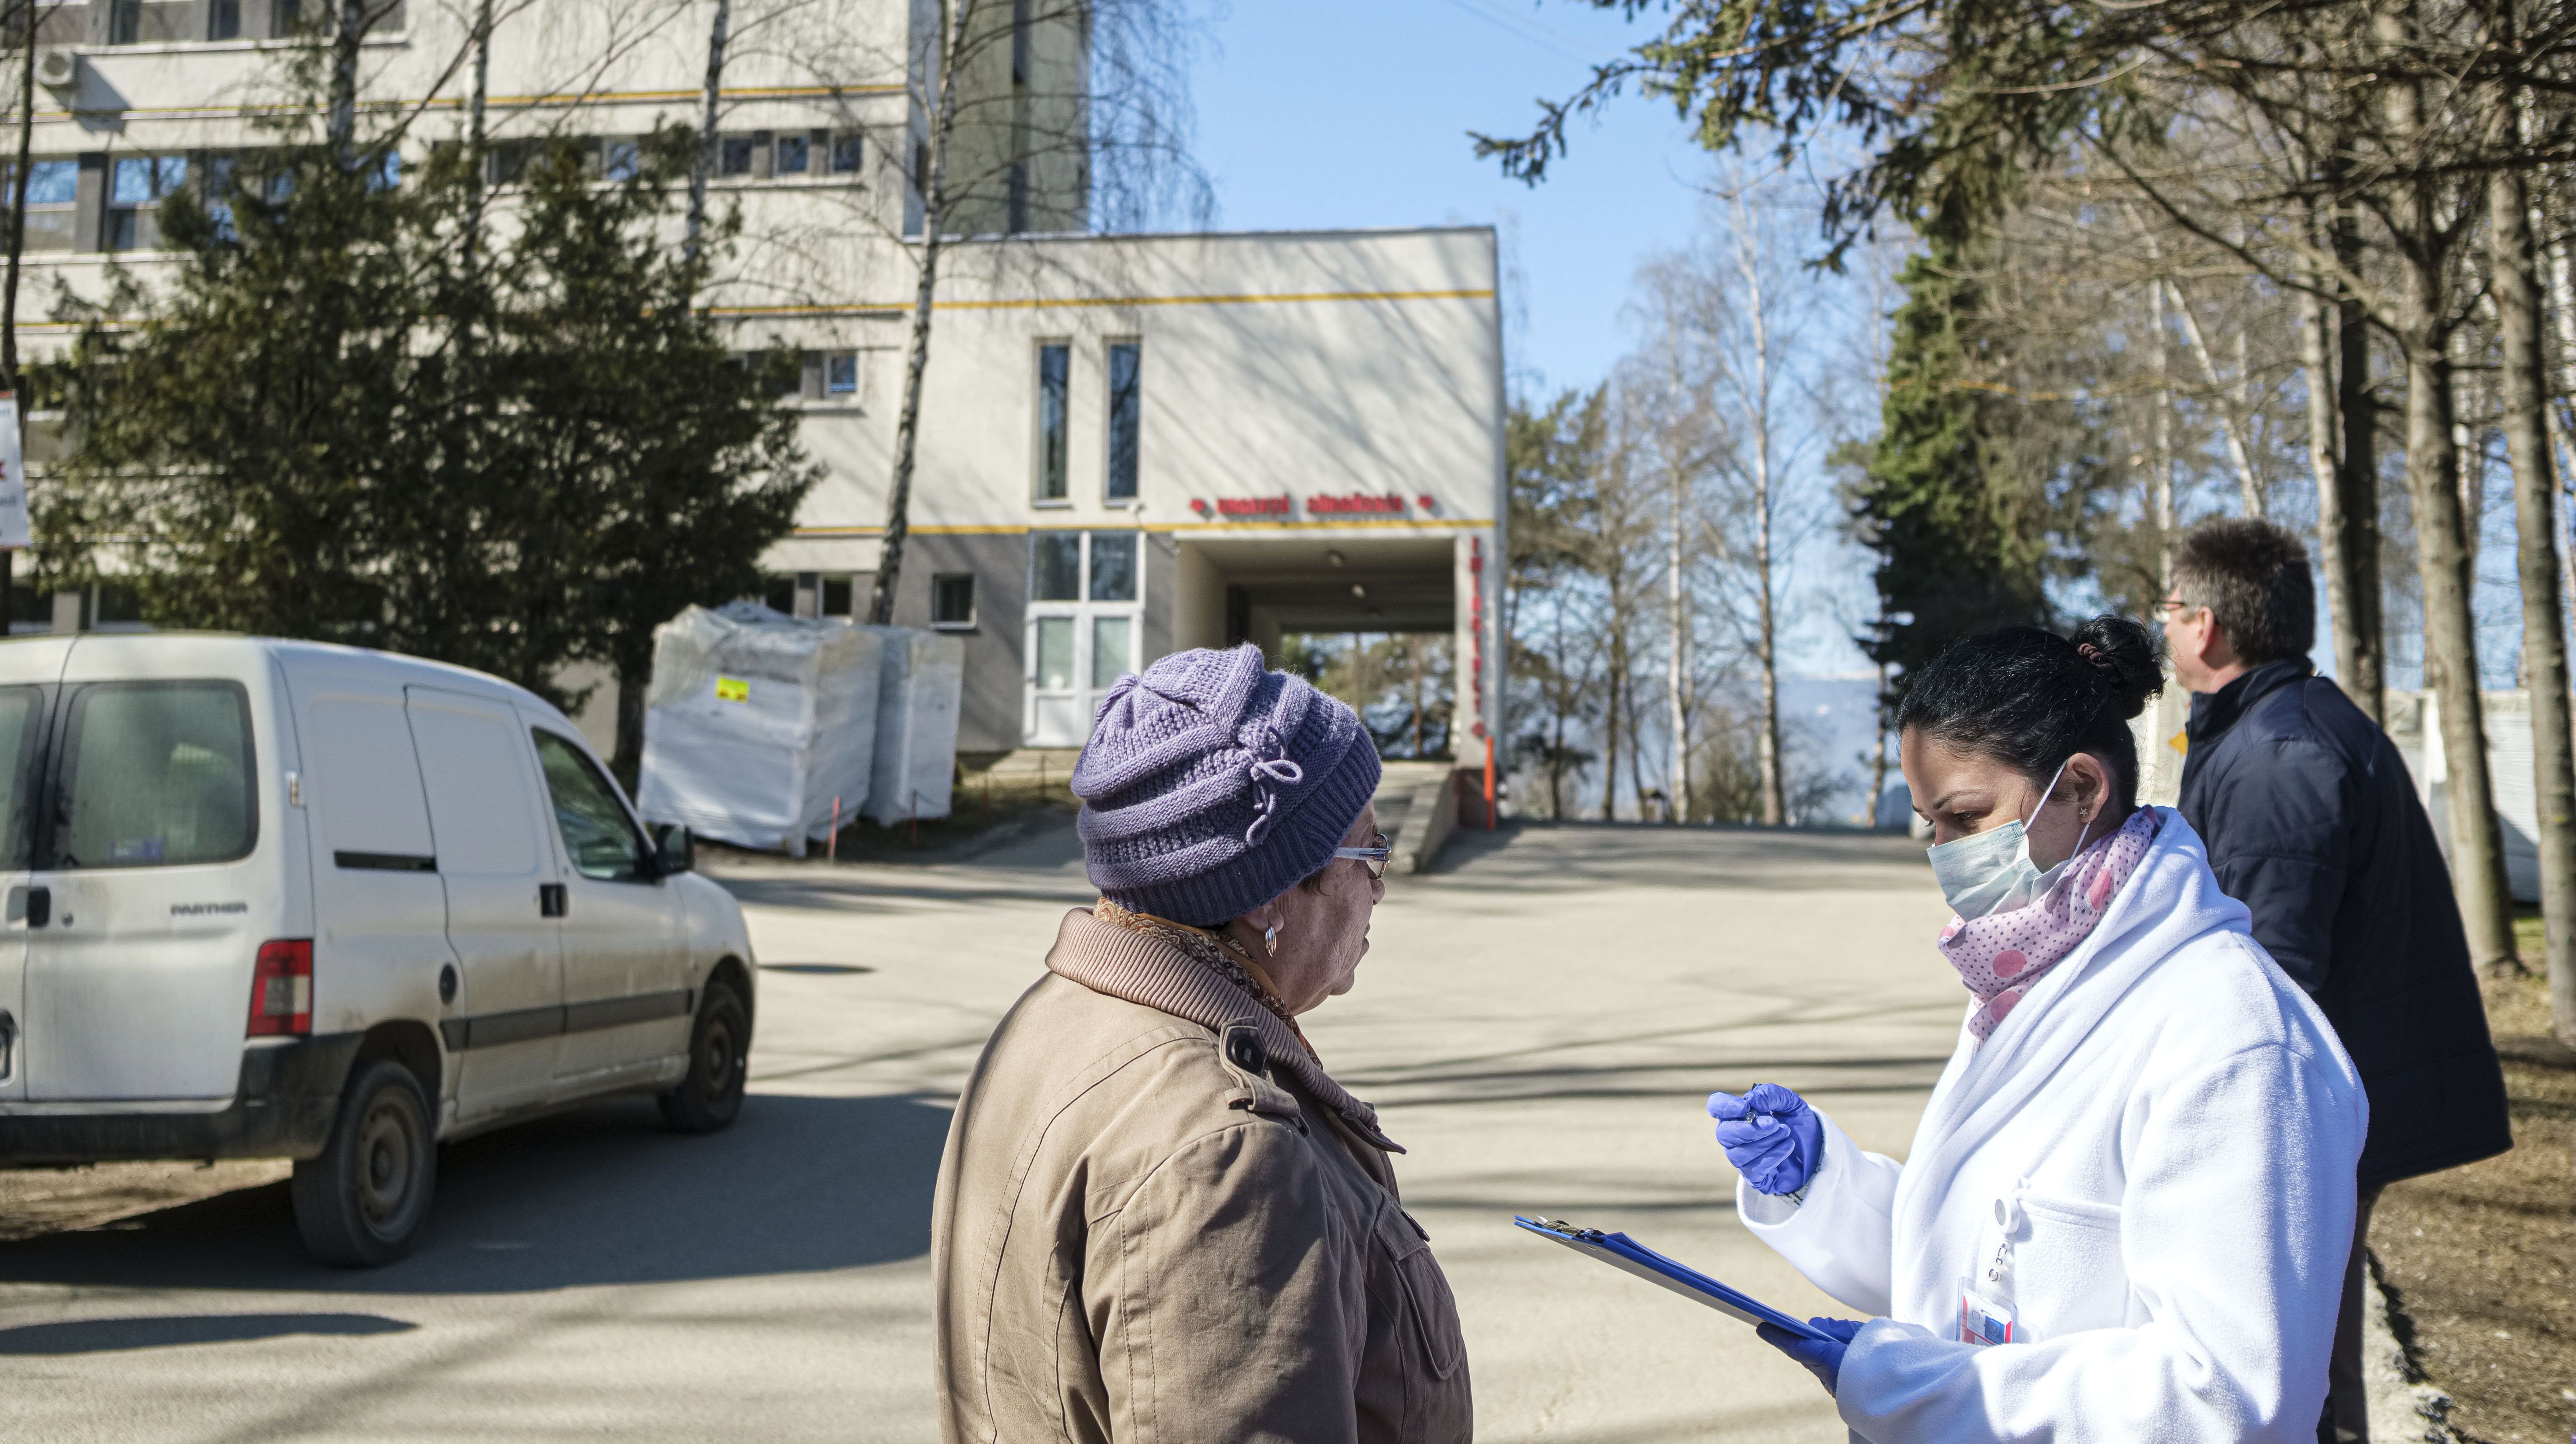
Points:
(1252, 506)
(1355, 505)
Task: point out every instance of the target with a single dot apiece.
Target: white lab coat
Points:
(2164, 1135)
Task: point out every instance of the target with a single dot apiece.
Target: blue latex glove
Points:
(1771, 1136)
(1824, 1360)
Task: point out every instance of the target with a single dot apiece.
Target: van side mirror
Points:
(674, 850)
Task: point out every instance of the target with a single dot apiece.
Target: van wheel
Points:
(363, 1201)
(719, 1058)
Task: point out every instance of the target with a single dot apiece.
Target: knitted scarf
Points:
(2002, 956)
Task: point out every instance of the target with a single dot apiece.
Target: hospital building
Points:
(1130, 443)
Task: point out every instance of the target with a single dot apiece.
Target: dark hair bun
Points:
(2124, 652)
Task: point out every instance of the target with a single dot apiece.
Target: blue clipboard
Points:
(1629, 1256)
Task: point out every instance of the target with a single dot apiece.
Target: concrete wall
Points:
(989, 715)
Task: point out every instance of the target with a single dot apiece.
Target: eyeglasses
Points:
(1375, 857)
(2176, 604)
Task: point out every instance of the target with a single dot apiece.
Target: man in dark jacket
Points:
(2312, 822)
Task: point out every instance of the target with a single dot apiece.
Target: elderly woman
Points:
(1159, 1218)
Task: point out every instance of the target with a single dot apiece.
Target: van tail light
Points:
(281, 988)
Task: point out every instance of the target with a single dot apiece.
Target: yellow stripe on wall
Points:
(1249, 298)
(1237, 527)
(444, 102)
(1276, 298)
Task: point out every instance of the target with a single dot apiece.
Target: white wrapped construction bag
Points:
(756, 721)
(916, 724)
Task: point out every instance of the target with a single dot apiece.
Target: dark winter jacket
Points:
(2312, 822)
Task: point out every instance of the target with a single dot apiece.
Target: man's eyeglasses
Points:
(2172, 606)
(1375, 857)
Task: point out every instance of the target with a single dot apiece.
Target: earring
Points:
(1270, 940)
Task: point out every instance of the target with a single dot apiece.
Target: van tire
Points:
(363, 1201)
(710, 1093)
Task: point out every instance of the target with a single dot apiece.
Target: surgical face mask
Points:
(1991, 872)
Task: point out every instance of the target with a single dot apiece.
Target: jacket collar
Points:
(1152, 973)
(2214, 712)
(2172, 899)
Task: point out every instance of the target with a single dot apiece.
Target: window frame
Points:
(1080, 616)
(53, 816)
(1081, 565)
(112, 210)
(33, 785)
(843, 395)
(635, 833)
(1109, 402)
(937, 623)
(1039, 457)
(67, 210)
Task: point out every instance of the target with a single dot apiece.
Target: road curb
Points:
(2402, 1405)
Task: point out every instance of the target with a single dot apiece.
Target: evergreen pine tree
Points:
(1961, 540)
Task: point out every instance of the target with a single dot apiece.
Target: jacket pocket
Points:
(2069, 1270)
(1424, 1291)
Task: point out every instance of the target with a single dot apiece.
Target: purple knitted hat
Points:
(1211, 786)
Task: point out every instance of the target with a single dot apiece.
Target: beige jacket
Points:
(1159, 1221)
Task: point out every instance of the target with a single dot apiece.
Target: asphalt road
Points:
(1538, 1022)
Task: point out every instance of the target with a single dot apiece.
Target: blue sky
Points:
(1325, 113)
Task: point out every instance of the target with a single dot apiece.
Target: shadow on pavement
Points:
(95, 1336)
(603, 1195)
(1522, 854)
(1047, 855)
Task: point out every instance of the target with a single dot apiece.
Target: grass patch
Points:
(2484, 1256)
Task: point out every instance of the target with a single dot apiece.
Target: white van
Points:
(280, 899)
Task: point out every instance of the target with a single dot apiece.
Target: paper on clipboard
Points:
(1629, 1256)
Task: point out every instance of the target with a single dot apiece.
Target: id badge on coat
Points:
(1983, 1320)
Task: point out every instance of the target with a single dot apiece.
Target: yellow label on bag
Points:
(2180, 742)
(732, 689)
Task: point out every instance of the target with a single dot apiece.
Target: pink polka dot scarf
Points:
(2003, 955)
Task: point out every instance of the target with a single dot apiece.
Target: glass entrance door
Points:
(1083, 629)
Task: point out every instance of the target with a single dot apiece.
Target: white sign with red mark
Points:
(15, 533)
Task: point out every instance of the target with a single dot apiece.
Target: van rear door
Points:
(150, 851)
(506, 1026)
(379, 918)
(28, 671)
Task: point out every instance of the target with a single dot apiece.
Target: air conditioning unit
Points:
(58, 69)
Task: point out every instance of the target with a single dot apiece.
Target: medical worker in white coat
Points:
(2125, 1214)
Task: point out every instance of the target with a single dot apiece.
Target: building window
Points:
(733, 154)
(285, 18)
(1113, 566)
(841, 374)
(1055, 654)
(1056, 558)
(53, 202)
(778, 593)
(223, 20)
(1126, 412)
(952, 600)
(794, 151)
(137, 186)
(620, 160)
(836, 596)
(847, 153)
(1112, 638)
(1055, 384)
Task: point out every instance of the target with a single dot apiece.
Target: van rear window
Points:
(17, 739)
(157, 774)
